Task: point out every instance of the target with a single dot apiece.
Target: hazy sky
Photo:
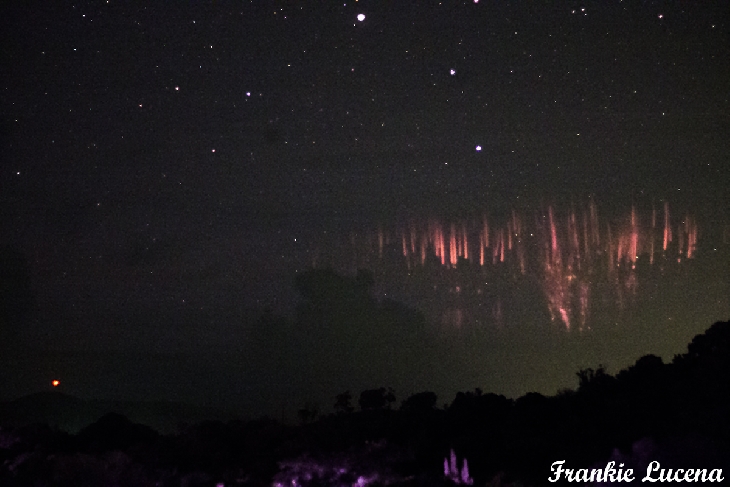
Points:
(165, 167)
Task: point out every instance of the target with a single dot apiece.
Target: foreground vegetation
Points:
(674, 413)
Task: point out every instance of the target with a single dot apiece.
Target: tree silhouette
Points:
(420, 402)
(589, 379)
(343, 403)
(376, 399)
(703, 374)
(711, 348)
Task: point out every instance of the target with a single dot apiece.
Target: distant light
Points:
(248, 93)
(452, 72)
(479, 148)
(360, 17)
(213, 150)
(55, 383)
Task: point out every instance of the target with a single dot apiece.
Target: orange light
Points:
(55, 383)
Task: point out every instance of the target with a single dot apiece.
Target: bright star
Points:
(360, 17)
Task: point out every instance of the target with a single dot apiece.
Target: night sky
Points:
(168, 170)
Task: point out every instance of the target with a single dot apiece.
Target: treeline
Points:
(676, 413)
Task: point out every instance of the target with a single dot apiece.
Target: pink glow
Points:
(667, 226)
(562, 251)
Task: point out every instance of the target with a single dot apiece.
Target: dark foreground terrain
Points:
(675, 414)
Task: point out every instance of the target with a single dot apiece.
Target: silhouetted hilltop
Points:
(71, 414)
(673, 413)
